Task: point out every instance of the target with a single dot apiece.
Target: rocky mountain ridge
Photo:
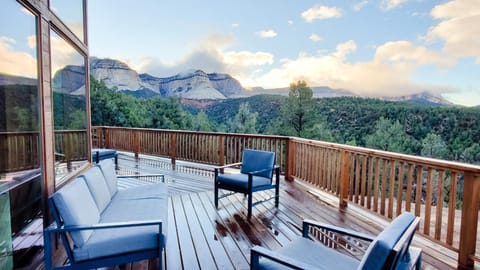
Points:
(194, 85)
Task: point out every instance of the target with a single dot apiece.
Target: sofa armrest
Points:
(162, 176)
(307, 223)
(257, 251)
(55, 229)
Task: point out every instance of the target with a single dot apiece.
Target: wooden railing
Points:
(201, 147)
(20, 150)
(446, 195)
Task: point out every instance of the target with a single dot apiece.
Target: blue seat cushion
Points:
(313, 253)
(379, 250)
(98, 187)
(256, 160)
(76, 206)
(241, 180)
(108, 169)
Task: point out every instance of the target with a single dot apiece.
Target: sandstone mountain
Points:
(192, 85)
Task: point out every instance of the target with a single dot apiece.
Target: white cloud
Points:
(246, 58)
(358, 6)
(211, 55)
(319, 12)
(266, 33)
(315, 38)
(235, 25)
(399, 51)
(16, 62)
(290, 22)
(391, 4)
(374, 78)
(63, 54)
(458, 28)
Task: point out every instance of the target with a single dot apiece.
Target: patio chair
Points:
(256, 174)
(389, 250)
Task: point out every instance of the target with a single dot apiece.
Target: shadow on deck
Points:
(201, 237)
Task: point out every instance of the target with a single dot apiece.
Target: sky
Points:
(372, 48)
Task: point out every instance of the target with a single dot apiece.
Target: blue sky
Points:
(373, 48)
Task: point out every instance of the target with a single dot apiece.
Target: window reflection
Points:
(71, 13)
(20, 175)
(69, 107)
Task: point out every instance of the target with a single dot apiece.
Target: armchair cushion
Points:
(379, 250)
(256, 160)
(241, 180)
(76, 205)
(98, 187)
(314, 254)
(108, 169)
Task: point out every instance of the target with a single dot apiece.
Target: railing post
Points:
(107, 138)
(344, 179)
(136, 143)
(290, 159)
(221, 150)
(468, 226)
(173, 149)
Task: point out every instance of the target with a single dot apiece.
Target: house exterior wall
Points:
(32, 166)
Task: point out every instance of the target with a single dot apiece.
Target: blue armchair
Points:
(256, 173)
(389, 250)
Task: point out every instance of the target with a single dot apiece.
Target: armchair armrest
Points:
(264, 170)
(228, 165)
(257, 251)
(55, 229)
(307, 223)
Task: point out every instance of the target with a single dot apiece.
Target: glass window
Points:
(20, 175)
(69, 107)
(71, 13)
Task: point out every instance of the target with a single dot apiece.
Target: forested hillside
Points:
(451, 133)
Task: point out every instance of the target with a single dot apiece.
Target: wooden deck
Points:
(202, 237)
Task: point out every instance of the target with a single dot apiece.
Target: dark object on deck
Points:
(256, 174)
(101, 225)
(389, 250)
(99, 154)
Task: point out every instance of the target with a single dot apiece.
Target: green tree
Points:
(434, 146)
(318, 131)
(244, 121)
(201, 122)
(297, 113)
(388, 136)
(471, 154)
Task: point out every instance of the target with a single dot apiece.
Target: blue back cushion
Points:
(98, 187)
(379, 250)
(108, 169)
(256, 160)
(76, 206)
